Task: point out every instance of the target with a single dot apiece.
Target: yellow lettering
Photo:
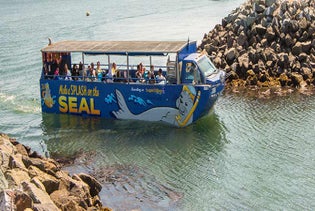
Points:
(72, 101)
(84, 106)
(63, 106)
(93, 110)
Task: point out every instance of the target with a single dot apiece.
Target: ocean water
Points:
(249, 153)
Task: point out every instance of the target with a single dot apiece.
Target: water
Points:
(248, 154)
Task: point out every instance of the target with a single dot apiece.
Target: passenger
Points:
(160, 77)
(56, 74)
(140, 73)
(62, 63)
(68, 73)
(88, 73)
(99, 71)
(75, 72)
(54, 67)
(92, 74)
(82, 71)
(151, 77)
(114, 70)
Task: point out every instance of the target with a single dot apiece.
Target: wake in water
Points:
(19, 104)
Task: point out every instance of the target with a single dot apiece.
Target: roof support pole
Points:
(177, 70)
(127, 67)
(109, 66)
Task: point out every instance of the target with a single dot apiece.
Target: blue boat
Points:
(161, 81)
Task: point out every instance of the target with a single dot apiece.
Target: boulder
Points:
(243, 61)
(297, 49)
(258, 7)
(269, 2)
(39, 197)
(95, 186)
(284, 79)
(16, 176)
(270, 35)
(303, 23)
(230, 54)
(50, 183)
(297, 80)
(45, 165)
(3, 181)
(261, 30)
(7, 199)
(15, 161)
(306, 46)
(22, 201)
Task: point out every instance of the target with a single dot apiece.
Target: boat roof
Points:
(117, 47)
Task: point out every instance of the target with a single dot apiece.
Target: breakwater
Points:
(266, 43)
(29, 181)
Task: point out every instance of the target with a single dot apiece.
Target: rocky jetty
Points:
(31, 182)
(266, 43)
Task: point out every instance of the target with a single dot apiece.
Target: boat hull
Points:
(178, 105)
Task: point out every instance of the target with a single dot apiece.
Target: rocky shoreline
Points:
(29, 181)
(266, 44)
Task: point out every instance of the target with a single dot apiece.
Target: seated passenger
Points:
(160, 77)
(75, 72)
(82, 71)
(151, 77)
(140, 73)
(56, 74)
(114, 70)
(92, 74)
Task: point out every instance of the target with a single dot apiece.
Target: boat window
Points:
(206, 66)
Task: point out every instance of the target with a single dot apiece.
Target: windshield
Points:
(206, 66)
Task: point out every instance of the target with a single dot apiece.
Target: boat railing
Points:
(105, 79)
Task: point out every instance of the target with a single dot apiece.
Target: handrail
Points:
(105, 79)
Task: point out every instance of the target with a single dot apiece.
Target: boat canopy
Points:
(120, 47)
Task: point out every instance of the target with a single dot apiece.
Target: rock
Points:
(39, 197)
(270, 35)
(302, 57)
(81, 190)
(297, 80)
(242, 39)
(306, 73)
(230, 54)
(51, 183)
(259, 8)
(37, 177)
(38, 183)
(303, 23)
(306, 46)
(16, 176)
(95, 186)
(22, 201)
(15, 161)
(289, 41)
(261, 30)
(297, 49)
(243, 61)
(21, 149)
(284, 79)
(7, 200)
(3, 181)
(269, 2)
